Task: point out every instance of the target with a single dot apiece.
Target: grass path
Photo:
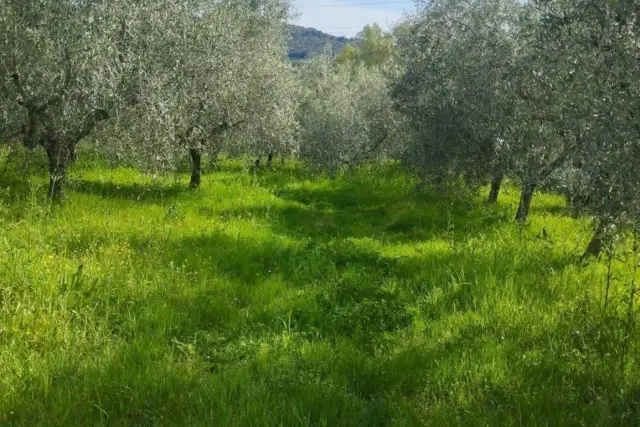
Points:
(286, 299)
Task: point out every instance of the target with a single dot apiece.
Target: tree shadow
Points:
(273, 178)
(144, 383)
(280, 176)
(341, 295)
(14, 188)
(344, 285)
(226, 166)
(356, 211)
(146, 193)
(549, 209)
(330, 290)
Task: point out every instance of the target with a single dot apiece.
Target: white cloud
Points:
(342, 19)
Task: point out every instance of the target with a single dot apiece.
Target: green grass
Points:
(283, 298)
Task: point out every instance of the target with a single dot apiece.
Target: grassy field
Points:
(283, 298)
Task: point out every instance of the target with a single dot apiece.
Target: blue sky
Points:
(347, 17)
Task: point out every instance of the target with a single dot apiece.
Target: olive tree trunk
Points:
(542, 175)
(60, 157)
(496, 183)
(594, 248)
(270, 159)
(196, 161)
(525, 202)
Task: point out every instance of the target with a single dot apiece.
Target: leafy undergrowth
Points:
(281, 298)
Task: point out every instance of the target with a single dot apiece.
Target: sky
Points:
(347, 17)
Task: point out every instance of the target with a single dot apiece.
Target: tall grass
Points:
(282, 298)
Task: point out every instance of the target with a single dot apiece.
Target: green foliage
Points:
(63, 72)
(349, 126)
(341, 293)
(374, 48)
(596, 98)
(542, 91)
(350, 55)
(212, 83)
(285, 298)
(167, 77)
(455, 88)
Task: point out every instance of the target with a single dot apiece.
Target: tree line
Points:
(543, 93)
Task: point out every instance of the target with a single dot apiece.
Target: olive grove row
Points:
(544, 92)
(145, 81)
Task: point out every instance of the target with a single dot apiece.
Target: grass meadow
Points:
(284, 298)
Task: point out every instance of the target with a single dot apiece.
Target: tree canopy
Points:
(543, 93)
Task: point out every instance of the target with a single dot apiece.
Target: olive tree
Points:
(592, 47)
(543, 138)
(457, 58)
(62, 64)
(270, 113)
(216, 80)
(346, 114)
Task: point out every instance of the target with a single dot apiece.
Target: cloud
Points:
(342, 19)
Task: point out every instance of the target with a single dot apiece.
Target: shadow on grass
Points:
(270, 178)
(279, 176)
(342, 289)
(549, 209)
(358, 211)
(204, 342)
(14, 187)
(149, 381)
(22, 195)
(130, 191)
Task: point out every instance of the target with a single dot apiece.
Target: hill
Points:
(307, 42)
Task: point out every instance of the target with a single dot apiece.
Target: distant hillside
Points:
(307, 42)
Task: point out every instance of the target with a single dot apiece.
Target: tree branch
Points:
(89, 123)
(7, 135)
(66, 80)
(123, 40)
(550, 167)
(222, 127)
(31, 103)
(15, 77)
(378, 144)
(225, 126)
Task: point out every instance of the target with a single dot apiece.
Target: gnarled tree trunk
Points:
(60, 157)
(270, 159)
(496, 183)
(196, 161)
(525, 202)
